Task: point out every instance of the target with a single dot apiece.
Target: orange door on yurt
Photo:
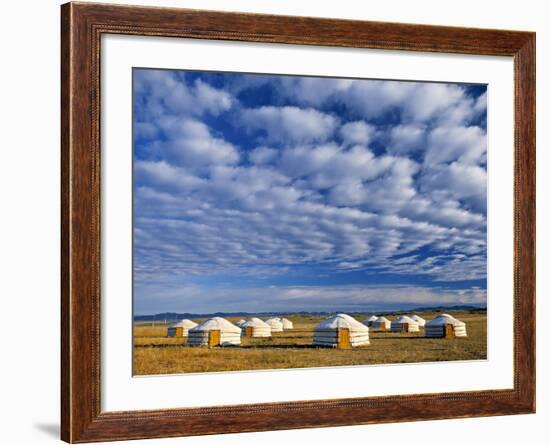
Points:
(449, 330)
(179, 332)
(344, 341)
(249, 331)
(214, 338)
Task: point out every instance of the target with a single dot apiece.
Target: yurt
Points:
(275, 324)
(181, 328)
(445, 325)
(404, 324)
(341, 331)
(381, 323)
(287, 324)
(421, 322)
(215, 331)
(370, 320)
(240, 322)
(256, 328)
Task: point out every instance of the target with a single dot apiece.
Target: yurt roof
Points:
(217, 323)
(273, 320)
(373, 318)
(417, 318)
(285, 319)
(255, 323)
(445, 316)
(382, 319)
(445, 319)
(404, 319)
(346, 316)
(342, 321)
(185, 323)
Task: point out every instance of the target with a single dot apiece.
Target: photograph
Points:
(291, 221)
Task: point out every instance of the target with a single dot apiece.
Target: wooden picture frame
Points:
(82, 26)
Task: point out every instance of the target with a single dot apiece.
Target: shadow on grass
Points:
(259, 346)
(404, 337)
(278, 347)
(162, 345)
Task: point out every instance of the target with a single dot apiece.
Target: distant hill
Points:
(464, 307)
(170, 316)
(174, 316)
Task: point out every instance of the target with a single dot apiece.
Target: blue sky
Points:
(285, 193)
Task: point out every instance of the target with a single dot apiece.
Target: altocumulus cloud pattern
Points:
(265, 193)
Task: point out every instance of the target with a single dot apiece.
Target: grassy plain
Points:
(154, 353)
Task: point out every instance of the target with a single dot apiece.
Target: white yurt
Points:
(256, 328)
(404, 324)
(421, 322)
(215, 331)
(381, 323)
(275, 324)
(240, 322)
(370, 320)
(341, 331)
(287, 324)
(445, 325)
(181, 328)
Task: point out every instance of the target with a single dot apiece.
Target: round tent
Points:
(421, 322)
(240, 322)
(287, 324)
(181, 328)
(341, 331)
(215, 331)
(370, 320)
(404, 324)
(275, 324)
(445, 325)
(381, 323)
(255, 328)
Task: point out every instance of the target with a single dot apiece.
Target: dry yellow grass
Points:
(154, 353)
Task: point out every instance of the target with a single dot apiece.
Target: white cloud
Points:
(386, 194)
(357, 132)
(429, 100)
(262, 155)
(313, 91)
(467, 145)
(290, 124)
(460, 181)
(356, 163)
(406, 138)
(191, 143)
(167, 91)
(211, 99)
(444, 212)
(372, 98)
(417, 102)
(165, 176)
(303, 160)
(481, 103)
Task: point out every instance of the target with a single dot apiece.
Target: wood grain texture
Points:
(81, 28)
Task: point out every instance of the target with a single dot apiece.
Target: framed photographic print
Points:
(275, 222)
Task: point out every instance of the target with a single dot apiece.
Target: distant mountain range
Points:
(173, 316)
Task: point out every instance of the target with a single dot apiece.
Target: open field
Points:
(154, 353)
